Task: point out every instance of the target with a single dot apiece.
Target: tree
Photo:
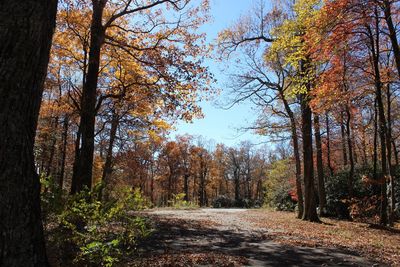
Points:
(265, 80)
(291, 41)
(24, 55)
(147, 43)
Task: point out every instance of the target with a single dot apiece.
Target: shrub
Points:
(223, 201)
(97, 232)
(337, 192)
(278, 186)
(178, 202)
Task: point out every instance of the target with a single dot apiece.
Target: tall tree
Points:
(25, 33)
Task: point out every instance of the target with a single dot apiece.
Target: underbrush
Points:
(83, 231)
(178, 202)
(224, 201)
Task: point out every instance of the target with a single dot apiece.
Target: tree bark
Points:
(375, 52)
(310, 209)
(26, 29)
(328, 144)
(49, 166)
(63, 151)
(296, 152)
(389, 152)
(320, 165)
(107, 169)
(392, 33)
(89, 98)
(375, 156)
(343, 133)
(351, 158)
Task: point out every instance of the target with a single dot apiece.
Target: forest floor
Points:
(239, 237)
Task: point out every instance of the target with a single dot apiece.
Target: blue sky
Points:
(219, 124)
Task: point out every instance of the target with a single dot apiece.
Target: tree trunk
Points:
(88, 100)
(343, 134)
(381, 118)
(296, 152)
(49, 166)
(25, 39)
(237, 186)
(107, 169)
(351, 158)
(328, 144)
(375, 157)
(77, 153)
(186, 185)
(310, 209)
(389, 153)
(392, 33)
(63, 151)
(320, 166)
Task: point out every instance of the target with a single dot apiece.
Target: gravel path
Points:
(227, 233)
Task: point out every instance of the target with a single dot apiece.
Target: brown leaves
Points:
(376, 244)
(194, 259)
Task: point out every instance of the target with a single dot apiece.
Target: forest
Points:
(94, 173)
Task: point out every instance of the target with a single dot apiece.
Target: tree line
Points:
(325, 76)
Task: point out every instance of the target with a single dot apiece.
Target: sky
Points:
(220, 125)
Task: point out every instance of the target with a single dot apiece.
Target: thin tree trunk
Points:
(381, 116)
(343, 133)
(395, 153)
(107, 170)
(328, 144)
(320, 167)
(296, 152)
(89, 97)
(389, 153)
(52, 148)
(186, 185)
(63, 151)
(375, 159)
(25, 39)
(351, 159)
(77, 153)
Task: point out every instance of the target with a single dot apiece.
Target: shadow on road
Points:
(175, 236)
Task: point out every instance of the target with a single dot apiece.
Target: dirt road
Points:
(225, 237)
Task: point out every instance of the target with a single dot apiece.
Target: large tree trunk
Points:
(320, 166)
(88, 100)
(26, 29)
(310, 209)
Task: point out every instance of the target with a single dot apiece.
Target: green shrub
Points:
(178, 202)
(97, 232)
(337, 192)
(223, 201)
(278, 186)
